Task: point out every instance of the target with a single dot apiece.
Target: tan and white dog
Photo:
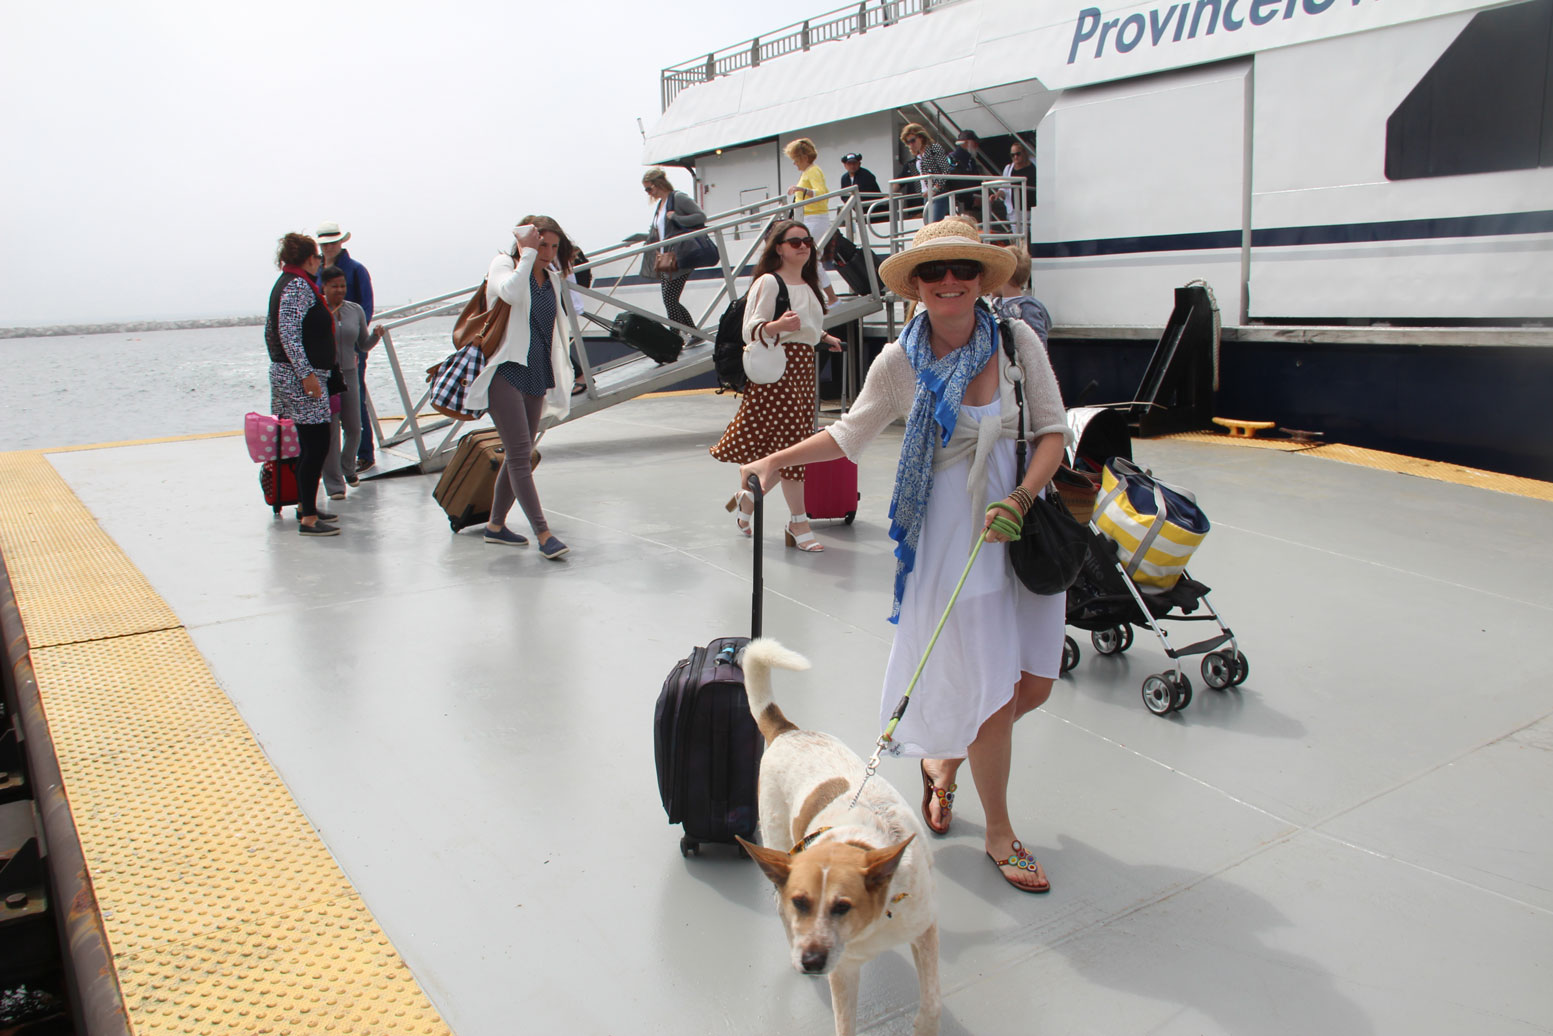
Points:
(857, 880)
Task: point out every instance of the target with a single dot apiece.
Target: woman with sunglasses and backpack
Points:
(1001, 646)
(777, 415)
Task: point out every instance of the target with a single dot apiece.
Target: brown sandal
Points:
(945, 802)
(1025, 862)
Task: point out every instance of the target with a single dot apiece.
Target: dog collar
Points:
(808, 840)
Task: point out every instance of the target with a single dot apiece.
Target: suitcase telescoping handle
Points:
(753, 485)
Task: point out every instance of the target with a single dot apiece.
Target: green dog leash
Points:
(1010, 527)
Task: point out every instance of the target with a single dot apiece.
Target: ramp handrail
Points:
(419, 425)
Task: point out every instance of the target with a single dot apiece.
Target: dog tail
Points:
(758, 659)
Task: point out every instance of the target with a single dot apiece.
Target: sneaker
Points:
(337, 496)
(366, 464)
(319, 529)
(554, 549)
(353, 481)
(323, 516)
(505, 536)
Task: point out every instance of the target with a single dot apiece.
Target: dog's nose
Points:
(814, 961)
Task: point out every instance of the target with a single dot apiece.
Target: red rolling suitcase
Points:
(830, 489)
(287, 477)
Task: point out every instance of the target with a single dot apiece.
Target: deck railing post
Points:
(862, 17)
(805, 34)
(410, 407)
(755, 52)
(711, 68)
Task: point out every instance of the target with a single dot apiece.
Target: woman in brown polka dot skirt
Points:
(774, 416)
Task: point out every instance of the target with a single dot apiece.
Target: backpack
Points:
(728, 347)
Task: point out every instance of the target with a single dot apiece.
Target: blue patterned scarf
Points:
(940, 387)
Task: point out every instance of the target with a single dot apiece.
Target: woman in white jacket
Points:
(519, 384)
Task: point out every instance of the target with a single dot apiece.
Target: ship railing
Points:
(608, 382)
(911, 199)
(906, 207)
(852, 20)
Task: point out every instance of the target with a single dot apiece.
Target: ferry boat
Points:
(401, 782)
(1366, 187)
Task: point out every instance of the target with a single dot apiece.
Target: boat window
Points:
(1485, 106)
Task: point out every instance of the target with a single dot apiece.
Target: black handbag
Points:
(1049, 552)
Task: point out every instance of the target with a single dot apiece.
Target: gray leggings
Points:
(516, 415)
(340, 465)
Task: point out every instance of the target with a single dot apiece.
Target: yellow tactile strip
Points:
(72, 582)
(224, 911)
(1225, 439)
(1440, 471)
(1437, 470)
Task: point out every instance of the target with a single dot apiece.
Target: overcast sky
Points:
(154, 152)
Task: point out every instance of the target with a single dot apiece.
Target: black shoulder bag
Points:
(1048, 554)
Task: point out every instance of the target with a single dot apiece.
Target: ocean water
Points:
(84, 389)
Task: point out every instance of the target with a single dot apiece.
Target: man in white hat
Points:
(358, 289)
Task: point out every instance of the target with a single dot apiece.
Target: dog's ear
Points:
(777, 864)
(880, 865)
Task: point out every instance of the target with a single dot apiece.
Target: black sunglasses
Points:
(797, 242)
(933, 272)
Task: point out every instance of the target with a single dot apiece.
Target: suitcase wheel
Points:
(690, 847)
(849, 517)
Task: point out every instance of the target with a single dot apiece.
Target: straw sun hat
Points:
(946, 239)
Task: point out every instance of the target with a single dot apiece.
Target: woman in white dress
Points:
(999, 652)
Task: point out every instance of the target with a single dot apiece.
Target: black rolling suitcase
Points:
(657, 342)
(707, 745)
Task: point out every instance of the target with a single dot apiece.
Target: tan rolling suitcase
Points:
(466, 485)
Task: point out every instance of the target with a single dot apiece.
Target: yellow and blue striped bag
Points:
(1154, 551)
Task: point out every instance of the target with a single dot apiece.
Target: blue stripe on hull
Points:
(1495, 225)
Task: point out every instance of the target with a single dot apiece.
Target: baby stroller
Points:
(1109, 604)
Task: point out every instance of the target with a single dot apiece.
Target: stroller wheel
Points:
(1111, 641)
(1242, 670)
(1070, 655)
(1181, 692)
(1158, 695)
(1218, 670)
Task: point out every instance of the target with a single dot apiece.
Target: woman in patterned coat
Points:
(775, 416)
(299, 335)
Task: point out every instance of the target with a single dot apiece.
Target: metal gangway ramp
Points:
(609, 382)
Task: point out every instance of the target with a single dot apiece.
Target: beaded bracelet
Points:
(1022, 497)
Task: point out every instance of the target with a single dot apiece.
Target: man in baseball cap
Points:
(856, 175)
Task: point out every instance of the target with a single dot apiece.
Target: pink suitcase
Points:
(830, 489)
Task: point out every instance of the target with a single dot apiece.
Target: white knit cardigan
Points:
(512, 281)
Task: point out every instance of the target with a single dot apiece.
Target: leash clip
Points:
(871, 769)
